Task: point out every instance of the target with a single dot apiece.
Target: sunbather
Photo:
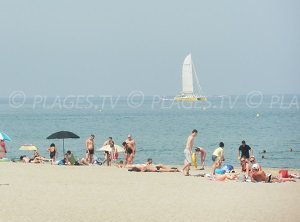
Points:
(26, 159)
(150, 167)
(260, 176)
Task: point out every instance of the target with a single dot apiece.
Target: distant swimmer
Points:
(290, 150)
(264, 151)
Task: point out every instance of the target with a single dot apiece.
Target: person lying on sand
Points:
(159, 167)
(226, 176)
(26, 159)
(150, 167)
(260, 176)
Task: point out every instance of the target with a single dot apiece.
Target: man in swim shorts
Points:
(131, 143)
(188, 153)
(90, 145)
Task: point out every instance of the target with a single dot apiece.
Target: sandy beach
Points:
(60, 193)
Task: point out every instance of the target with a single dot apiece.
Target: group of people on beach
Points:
(250, 169)
(111, 154)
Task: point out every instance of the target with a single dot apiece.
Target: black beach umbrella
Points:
(63, 135)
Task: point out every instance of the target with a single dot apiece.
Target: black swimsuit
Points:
(52, 154)
(128, 150)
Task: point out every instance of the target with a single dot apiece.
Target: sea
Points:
(270, 125)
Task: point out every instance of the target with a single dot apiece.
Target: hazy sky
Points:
(62, 47)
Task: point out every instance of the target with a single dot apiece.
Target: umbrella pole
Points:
(63, 147)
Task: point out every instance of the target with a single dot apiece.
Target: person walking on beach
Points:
(188, 153)
(90, 148)
(218, 157)
(131, 144)
(244, 151)
(53, 153)
(3, 150)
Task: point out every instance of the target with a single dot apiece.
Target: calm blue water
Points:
(160, 128)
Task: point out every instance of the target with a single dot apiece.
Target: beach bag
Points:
(283, 173)
(227, 167)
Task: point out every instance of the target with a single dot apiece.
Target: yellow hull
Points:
(190, 99)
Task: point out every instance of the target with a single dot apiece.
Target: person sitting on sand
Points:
(260, 176)
(253, 164)
(53, 152)
(245, 168)
(38, 158)
(218, 157)
(203, 156)
(120, 164)
(71, 160)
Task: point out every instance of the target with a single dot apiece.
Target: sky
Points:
(93, 47)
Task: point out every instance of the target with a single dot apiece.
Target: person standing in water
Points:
(90, 148)
(131, 144)
(188, 153)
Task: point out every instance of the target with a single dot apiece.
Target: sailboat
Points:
(188, 74)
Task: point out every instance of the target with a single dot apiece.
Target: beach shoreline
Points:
(44, 192)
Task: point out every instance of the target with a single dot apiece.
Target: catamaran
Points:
(188, 72)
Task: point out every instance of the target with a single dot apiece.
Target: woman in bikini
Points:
(53, 152)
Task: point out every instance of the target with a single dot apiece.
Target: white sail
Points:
(188, 73)
(187, 76)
